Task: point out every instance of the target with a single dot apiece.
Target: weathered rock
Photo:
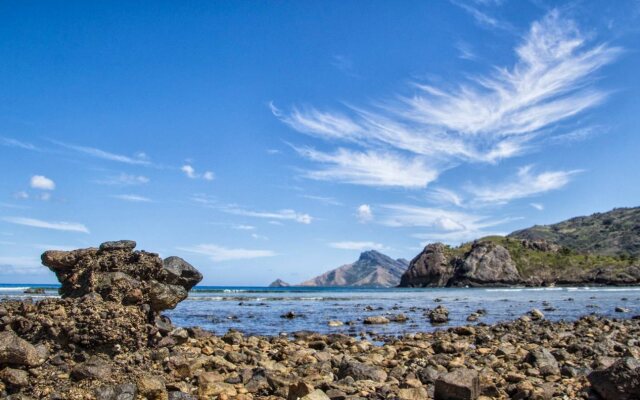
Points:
(94, 368)
(439, 315)
(542, 359)
(418, 393)
(124, 391)
(377, 320)
(14, 378)
(621, 381)
(299, 390)
(16, 351)
(486, 264)
(179, 272)
(360, 371)
(152, 387)
(461, 384)
(536, 314)
(335, 323)
(316, 395)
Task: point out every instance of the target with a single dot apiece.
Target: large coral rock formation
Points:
(119, 274)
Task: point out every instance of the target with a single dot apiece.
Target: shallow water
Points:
(257, 310)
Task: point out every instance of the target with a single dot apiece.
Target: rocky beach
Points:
(107, 339)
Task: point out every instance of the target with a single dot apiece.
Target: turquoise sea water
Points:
(258, 310)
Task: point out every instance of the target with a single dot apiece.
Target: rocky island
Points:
(602, 249)
(106, 339)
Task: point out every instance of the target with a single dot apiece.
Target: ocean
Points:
(258, 310)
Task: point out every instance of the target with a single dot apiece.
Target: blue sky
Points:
(263, 140)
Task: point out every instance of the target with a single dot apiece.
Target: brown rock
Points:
(14, 378)
(152, 387)
(16, 351)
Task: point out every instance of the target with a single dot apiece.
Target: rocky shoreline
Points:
(106, 339)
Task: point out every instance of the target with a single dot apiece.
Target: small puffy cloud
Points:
(364, 213)
(360, 246)
(189, 171)
(242, 227)
(21, 195)
(42, 182)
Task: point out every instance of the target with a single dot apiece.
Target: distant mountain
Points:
(601, 249)
(613, 233)
(373, 269)
(279, 283)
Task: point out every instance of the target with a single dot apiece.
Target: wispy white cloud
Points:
(409, 141)
(465, 51)
(124, 180)
(244, 227)
(138, 159)
(10, 142)
(445, 196)
(322, 199)
(537, 206)
(132, 198)
(364, 213)
(42, 182)
(443, 225)
(370, 168)
(347, 245)
(37, 223)
(482, 18)
(220, 253)
(526, 184)
(21, 195)
(286, 214)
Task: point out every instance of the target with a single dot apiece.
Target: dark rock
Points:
(125, 391)
(431, 268)
(94, 368)
(181, 396)
(439, 315)
(181, 273)
(118, 245)
(461, 384)
(299, 390)
(34, 291)
(621, 381)
(359, 371)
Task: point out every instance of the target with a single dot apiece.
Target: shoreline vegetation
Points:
(107, 339)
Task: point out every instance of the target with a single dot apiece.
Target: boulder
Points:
(151, 387)
(439, 315)
(94, 368)
(542, 359)
(360, 371)
(125, 391)
(16, 351)
(14, 378)
(377, 320)
(461, 384)
(620, 381)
